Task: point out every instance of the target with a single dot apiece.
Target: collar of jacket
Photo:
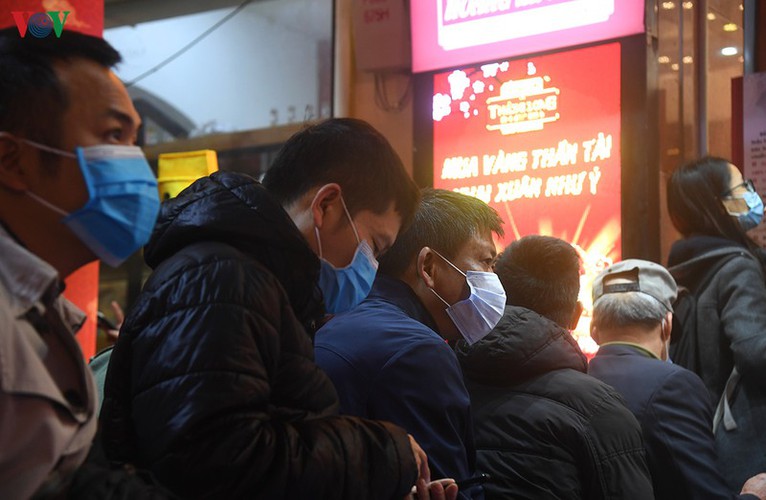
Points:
(237, 210)
(397, 292)
(643, 351)
(522, 346)
(694, 246)
(31, 282)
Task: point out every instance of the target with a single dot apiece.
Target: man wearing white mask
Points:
(73, 189)
(388, 357)
(544, 428)
(632, 323)
(212, 385)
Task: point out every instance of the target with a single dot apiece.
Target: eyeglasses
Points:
(747, 183)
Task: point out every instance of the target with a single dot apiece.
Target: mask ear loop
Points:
(47, 204)
(350, 220)
(319, 240)
(49, 149)
(455, 268)
(450, 263)
(43, 147)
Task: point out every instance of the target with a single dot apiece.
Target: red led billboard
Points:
(538, 139)
(449, 33)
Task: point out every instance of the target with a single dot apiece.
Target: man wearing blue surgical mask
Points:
(389, 358)
(67, 128)
(212, 384)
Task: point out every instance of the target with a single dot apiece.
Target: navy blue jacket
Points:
(674, 410)
(388, 363)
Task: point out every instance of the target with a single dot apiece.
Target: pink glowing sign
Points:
(448, 33)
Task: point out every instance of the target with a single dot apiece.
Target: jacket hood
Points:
(235, 209)
(522, 346)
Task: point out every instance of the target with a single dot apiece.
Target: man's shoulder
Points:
(211, 261)
(375, 323)
(580, 391)
(375, 337)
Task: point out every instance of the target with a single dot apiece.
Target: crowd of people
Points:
(335, 332)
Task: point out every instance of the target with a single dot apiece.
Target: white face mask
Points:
(477, 315)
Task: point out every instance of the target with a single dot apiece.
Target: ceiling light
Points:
(674, 66)
(729, 51)
(663, 59)
(688, 60)
(741, 7)
(710, 16)
(668, 5)
(730, 27)
(688, 5)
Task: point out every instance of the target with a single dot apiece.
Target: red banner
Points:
(538, 139)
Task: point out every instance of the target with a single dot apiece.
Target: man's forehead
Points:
(478, 246)
(95, 90)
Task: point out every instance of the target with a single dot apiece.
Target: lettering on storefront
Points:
(534, 166)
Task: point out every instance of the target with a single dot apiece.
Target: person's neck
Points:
(651, 340)
(36, 242)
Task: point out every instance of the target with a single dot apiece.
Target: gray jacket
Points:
(731, 324)
(47, 394)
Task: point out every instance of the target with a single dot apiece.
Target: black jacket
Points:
(543, 428)
(731, 331)
(212, 384)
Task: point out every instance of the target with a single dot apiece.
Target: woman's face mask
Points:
(753, 216)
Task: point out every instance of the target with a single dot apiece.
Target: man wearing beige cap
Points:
(632, 318)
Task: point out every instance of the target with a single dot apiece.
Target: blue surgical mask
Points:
(123, 202)
(754, 216)
(477, 315)
(345, 287)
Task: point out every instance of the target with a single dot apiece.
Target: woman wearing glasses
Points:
(713, 207)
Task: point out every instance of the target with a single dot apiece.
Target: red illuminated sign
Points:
(449, 33)
(538, 139)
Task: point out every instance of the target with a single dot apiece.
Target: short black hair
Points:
(32, 99)
(349, 152)
(541, 273)
(444, 221)
(694, 194)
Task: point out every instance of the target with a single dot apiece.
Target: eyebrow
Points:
(123, 117)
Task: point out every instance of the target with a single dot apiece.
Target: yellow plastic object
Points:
(176, 171)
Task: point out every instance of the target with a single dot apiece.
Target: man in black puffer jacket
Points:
(212, 384)
(543, 428)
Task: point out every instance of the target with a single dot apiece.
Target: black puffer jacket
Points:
(543, 428)
(212, 384)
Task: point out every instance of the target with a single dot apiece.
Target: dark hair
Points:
(541, 273)
(351, 153)
(444, 221)
(32, 99)
(694, 201)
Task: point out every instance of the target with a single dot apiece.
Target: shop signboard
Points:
(450, 33)
(538, 139)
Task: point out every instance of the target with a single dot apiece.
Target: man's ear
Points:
(326, 196)
(12, 173)
(425, 266)
(668, 327)
(594, 333)
(576, 315)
